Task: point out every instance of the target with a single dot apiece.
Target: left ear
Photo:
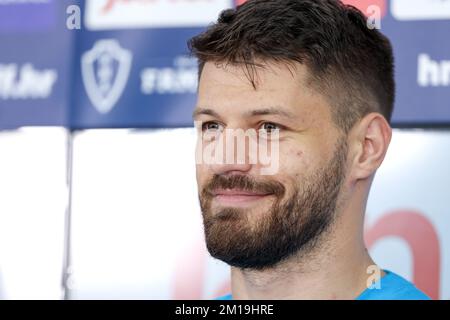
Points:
(368, 143)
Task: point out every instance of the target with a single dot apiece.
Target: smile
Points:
(238, 197)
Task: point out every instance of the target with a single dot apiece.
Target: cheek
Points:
(306, 157)
(201, 172)
(298, 164)
(295, 162)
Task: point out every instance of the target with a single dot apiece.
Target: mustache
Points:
(244, 183)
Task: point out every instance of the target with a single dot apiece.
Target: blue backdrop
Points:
(120, 70)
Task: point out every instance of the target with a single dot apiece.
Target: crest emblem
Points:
(105, 70)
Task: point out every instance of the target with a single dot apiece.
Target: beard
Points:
(288, 227)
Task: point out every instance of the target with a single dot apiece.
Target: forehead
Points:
(227, 89)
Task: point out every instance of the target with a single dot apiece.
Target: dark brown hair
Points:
(351, 64)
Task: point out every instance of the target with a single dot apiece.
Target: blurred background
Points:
(98, 197)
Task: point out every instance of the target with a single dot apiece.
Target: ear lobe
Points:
(372, 137)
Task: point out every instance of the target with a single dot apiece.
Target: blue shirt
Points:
(391, 287)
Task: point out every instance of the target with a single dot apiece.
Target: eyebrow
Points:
(205, 111)
(274, 111)
(277, 111)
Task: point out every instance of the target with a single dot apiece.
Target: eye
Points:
(211, 126)
(270, 127)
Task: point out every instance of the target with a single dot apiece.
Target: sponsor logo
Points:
(421, 236)
(25, 82)
(181, 78)
(368, 6)
(120, 14)
(415, 228)
(420, 9)
(433, 73)
(105, 70)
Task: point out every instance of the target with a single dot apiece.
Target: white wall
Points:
(136, 224)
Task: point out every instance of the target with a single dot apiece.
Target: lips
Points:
(235, 196)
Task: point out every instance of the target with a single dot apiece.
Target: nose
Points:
(233, 156)
(230, 169)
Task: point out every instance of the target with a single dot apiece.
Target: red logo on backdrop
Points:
(411, 226)
(419, 233)
(362, 5)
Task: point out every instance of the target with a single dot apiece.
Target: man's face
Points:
(253, 220)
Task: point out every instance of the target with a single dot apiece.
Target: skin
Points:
(337, 269)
